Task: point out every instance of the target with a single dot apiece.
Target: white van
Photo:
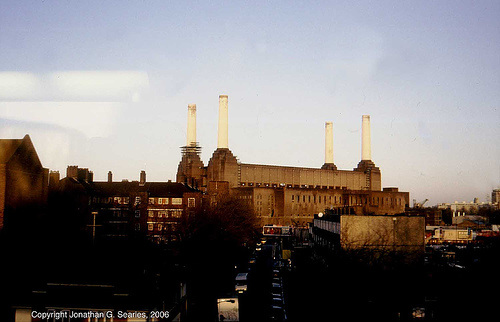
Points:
(241, 282)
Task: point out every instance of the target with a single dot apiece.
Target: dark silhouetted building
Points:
(116, 210)
(23, 181)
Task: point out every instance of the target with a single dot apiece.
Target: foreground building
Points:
(23, 181)
(398, 234)
(117, 210)
(283, 195)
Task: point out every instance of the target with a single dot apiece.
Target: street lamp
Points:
(94, 213)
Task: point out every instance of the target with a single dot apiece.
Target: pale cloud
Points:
(55, 148)
(94, 119)
(16, 85)
(98, 86)
(86, 101)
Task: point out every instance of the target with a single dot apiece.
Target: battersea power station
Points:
(284, 195)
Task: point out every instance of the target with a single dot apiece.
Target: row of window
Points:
(116, 200)
(166, 213)
(333, 227)
(137, 200)
(303, 215)
(165, 201)
(288, 185)
(166, 227)
(379, 201)
(353, 200)
(315, 199)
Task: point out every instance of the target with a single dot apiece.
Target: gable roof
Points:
(9, 148)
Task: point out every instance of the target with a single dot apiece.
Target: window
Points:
(137, 227)
(176, 213)
(150, 227)
(163, 201)
(160, 227)
(292, 197)
(137, 200)
(151, 213)
(176, 201)
(191, 202)
(137, 214)
(151, 201)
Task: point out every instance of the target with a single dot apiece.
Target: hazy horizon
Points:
(106, 86)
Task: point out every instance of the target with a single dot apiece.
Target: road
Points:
(263, 292)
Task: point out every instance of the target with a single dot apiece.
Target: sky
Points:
(105, 85)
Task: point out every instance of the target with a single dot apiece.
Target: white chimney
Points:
(366, 152)
(191, 126)
(328, 142)
(223, 123)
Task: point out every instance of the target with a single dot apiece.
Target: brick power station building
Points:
(285, 195)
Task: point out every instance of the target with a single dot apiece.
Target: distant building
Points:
(285, 195)
(495, 198)
(433, 216)
(115, 210)
(464, 208)
(23, 181)
(470, 221)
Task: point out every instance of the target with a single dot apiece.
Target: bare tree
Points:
(230, 220)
